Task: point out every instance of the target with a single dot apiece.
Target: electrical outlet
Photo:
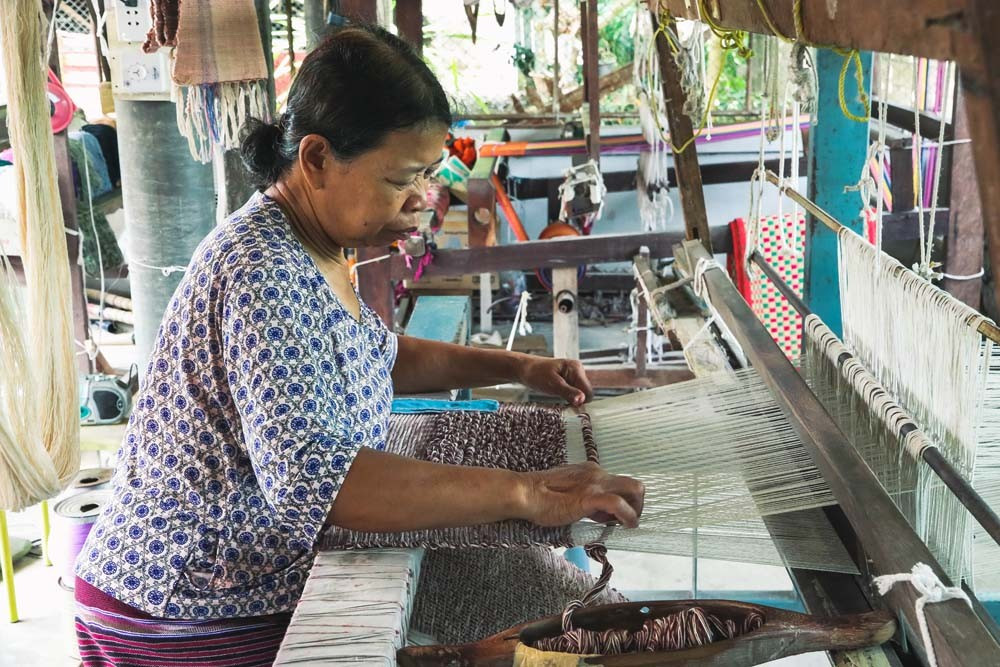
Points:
(132, 20)
(142, 73)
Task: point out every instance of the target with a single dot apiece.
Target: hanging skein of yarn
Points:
(39, 417)
(686, 629)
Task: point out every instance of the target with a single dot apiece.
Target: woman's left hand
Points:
(557, 377)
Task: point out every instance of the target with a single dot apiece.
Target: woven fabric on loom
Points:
(780, 318)
(468, 595)
(517, 437)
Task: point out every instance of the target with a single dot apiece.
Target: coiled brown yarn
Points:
(685, 629)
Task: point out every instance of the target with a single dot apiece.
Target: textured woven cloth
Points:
(520, 438)
(468, 595)
(218, 41)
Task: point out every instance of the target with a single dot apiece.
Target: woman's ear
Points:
(315, 160)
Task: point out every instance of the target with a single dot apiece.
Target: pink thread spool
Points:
(73, 518)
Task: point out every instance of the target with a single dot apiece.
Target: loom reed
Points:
(985, 327)
(932, 456)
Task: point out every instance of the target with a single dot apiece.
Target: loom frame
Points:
(887, 542)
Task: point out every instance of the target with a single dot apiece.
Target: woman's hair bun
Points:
(260, 150)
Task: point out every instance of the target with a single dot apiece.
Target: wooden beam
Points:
(565, 314)
(481, 197)
(409, 17)
(551, 254)
(626, 377)
(686, 166)
(890, 544)
(932, 28)
(658, 303)
(965, 226)
(902, 118)
(591, 77)
(519, 187)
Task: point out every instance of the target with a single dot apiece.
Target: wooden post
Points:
(364, 11)
(591, 77)
(375, 283)
(641, 336)
(409, 17)
(565, 318)
(980, 80)
(965, 223)
(838, 147)
(686, 166)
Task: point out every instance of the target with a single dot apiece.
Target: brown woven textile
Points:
(520, 438)
(218, 41)
(465, 596)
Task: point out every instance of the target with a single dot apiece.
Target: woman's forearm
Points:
(388, 493)
(426, 365)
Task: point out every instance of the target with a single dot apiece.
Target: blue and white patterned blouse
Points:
(260, 390)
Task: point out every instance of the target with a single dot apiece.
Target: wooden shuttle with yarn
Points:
(763, 633)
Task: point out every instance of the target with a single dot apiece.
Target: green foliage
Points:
(523, 59)
(615, 30)
(731, 92)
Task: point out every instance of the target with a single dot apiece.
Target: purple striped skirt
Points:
(112, 634)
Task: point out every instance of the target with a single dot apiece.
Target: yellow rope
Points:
(854, 56)
(766, 13)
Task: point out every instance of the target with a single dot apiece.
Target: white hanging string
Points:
(931, 590)
(753, 222)
(972, 276)
(520, 326)
(165, 270)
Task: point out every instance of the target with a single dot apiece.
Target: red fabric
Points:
(734, 261)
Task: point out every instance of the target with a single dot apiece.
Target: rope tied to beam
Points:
(850, 56)
(931, 590)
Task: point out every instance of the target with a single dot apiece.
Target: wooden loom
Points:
(869, 524)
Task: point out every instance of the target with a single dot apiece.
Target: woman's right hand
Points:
(563, 495)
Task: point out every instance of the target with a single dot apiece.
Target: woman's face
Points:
(374, 199)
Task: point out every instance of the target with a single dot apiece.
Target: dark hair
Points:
(354, 88)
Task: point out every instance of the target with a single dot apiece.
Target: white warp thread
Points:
(923, 345)
(931, 590)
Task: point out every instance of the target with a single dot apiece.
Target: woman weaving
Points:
(266, 400)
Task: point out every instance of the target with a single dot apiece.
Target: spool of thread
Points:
(91, 479)
(73, 518)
